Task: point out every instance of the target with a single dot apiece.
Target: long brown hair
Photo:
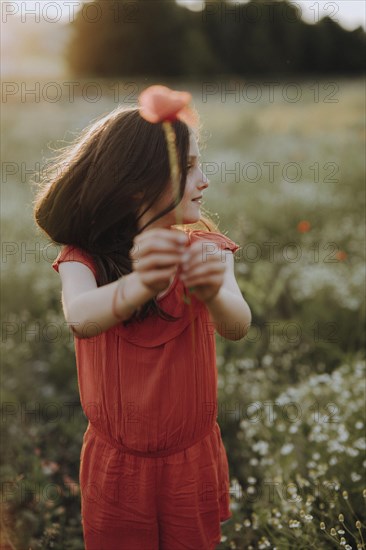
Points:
(96, 186)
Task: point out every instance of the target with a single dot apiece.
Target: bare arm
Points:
(215, 284)
(88, 308)
(229, 311)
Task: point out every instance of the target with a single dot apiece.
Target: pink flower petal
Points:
(189, 116)
(159, 103)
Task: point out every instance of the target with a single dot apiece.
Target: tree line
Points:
(161, 38)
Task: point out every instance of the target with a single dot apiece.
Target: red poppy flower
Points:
(159, 103)
(341, 255)
(303, 226)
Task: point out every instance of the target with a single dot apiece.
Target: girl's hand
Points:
(155, 255)
(205, 272)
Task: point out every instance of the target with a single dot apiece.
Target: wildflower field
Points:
(286, 173)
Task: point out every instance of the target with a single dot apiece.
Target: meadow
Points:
(286, 171)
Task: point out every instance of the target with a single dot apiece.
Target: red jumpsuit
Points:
(153, 468)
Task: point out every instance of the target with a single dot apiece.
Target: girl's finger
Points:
(158, 236)
(144, 249)
(203, 269)
(196, 257)
(157, 261)
(206, 250)
(203, 278)
(157, 276)
(197, 281)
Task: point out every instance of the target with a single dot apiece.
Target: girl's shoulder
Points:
(215, 237)
(71, 253)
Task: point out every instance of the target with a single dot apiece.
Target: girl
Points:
(153, 467)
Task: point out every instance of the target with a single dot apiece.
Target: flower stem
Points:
(173, 162)
(174, 171)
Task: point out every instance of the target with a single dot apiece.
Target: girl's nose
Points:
(205, 181)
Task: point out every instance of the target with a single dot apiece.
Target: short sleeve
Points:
(70, 253)
(224, 242)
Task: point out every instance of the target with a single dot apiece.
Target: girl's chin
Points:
(192, 218)
(190, 215)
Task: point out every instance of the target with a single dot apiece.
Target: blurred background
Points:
(280, 90)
